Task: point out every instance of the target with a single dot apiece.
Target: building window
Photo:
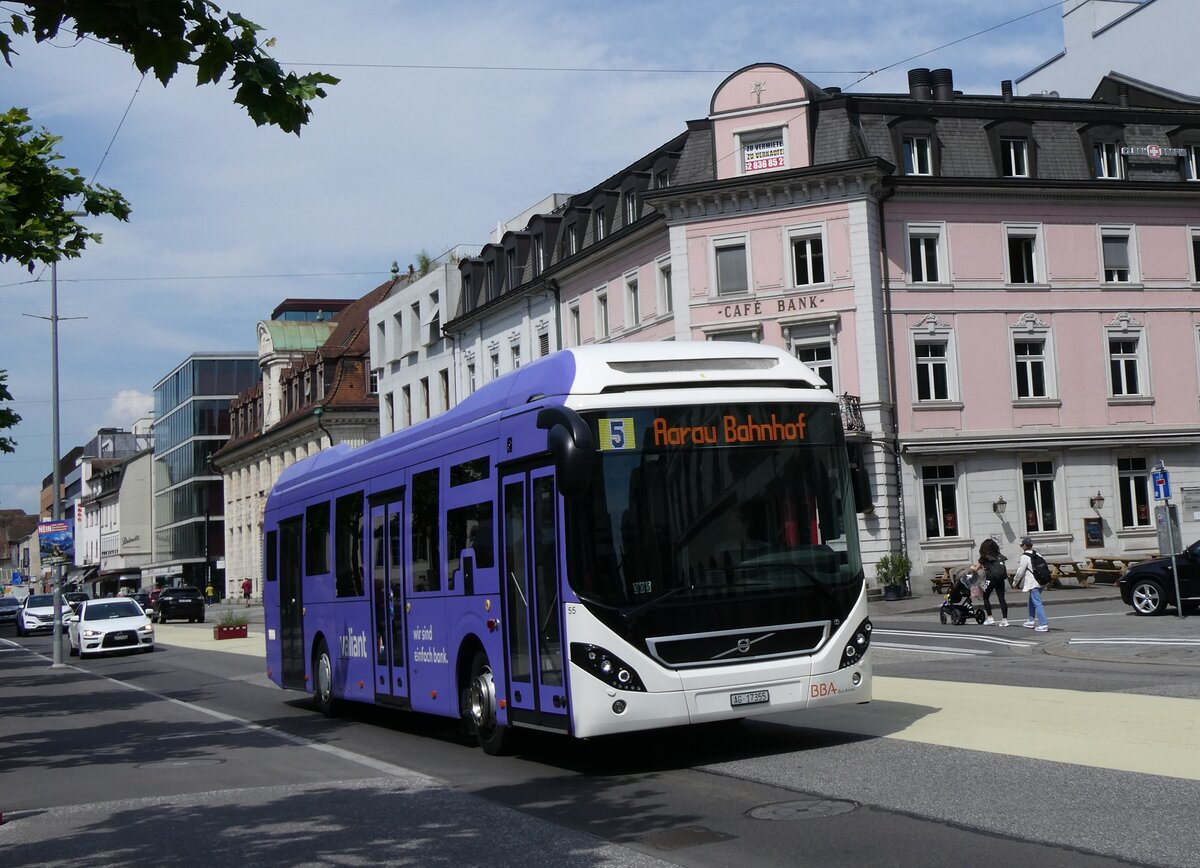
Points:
(924, 254)
(572, 240)
(471, 378)
(917, 153)
(933, 370)
(732, 278)
(1106, 160)
(389, 413)
(632, 207)
(662, 180)
(940, 501)
(445, 384)
(1030, 360)
(406, 404)
(633, 305)
(576, 325)
(1014, 158)
(516, 356)
(808, 259)
(414, 327)
(544, 344)
(817, 354)
(539, 254)
(372, 386)
(1124, 362)
(514, 270)
(1191, 163)
(1134, 482)
(601, 314)
(1038, 480)
(381, 348)
(1195, 237)
(495, 362)
(666, 302)
(491, 290)
(424, 384)
(1022, 255)
(1115, 253)
(763, 150)
(598, 225)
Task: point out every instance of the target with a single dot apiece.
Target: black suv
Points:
(179, 603)
(1149, 587)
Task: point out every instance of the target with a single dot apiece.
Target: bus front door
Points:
(387, 596)
(291, 606)
(536, 664)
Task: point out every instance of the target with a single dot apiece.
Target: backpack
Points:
(1041, 569)
(995, 572)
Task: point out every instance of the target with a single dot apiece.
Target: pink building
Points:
(1003, 289)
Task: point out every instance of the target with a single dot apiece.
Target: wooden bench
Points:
(942, 582)
(1108, 570)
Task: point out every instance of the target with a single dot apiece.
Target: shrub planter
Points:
(892, 592)
(237, 631)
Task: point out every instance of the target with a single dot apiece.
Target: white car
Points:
(115, 624)
(37, 614)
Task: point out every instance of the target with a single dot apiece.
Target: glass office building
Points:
(191, 422)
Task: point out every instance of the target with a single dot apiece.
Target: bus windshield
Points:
(710, 517)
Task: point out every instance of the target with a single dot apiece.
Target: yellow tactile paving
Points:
(1127, 732)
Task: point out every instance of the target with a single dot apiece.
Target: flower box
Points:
(235, 632)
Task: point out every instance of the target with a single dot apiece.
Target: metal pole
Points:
(56, 475)
(1174, 567)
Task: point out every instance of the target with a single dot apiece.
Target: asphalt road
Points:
(190, 754)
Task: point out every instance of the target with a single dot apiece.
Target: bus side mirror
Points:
(570, 442)
(860, 482)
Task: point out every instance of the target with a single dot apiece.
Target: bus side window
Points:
(469, 529)
(425, 557)
(349, 549)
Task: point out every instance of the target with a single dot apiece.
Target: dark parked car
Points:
(74, 598)
(179, 603)
(141, 598)
(8, 609)
(1149, 587)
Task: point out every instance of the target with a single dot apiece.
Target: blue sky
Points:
(413, 151)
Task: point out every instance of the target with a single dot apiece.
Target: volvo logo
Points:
(743, 645)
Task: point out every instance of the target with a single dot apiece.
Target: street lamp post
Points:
(56, 474)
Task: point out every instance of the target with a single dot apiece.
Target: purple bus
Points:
(613, 538)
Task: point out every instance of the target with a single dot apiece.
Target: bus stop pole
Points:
(1174, 567)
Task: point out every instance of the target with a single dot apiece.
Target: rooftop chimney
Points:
(919, 86)
(943, 84)
(1006, 90)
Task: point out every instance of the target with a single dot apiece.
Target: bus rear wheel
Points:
(495, 739)
(323, 681)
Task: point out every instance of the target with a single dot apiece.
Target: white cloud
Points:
(127, 407)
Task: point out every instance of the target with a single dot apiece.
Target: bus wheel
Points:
(481, 709)
(323, 681)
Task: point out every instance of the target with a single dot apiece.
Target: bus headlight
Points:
(856, 648)
(606, 666)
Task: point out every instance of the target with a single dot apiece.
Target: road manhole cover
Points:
(802, 809)
(677, 839)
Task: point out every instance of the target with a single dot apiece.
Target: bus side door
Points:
(294, 663)
(387, 597)
(536, 664)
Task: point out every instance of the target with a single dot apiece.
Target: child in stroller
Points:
(965, 599)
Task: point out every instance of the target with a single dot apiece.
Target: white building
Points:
(1144, 40)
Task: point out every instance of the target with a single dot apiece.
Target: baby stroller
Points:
(960, 603)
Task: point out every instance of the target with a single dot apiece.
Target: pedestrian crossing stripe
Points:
(617, 434)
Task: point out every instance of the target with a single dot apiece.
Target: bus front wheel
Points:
(481, 708)
(323, 681)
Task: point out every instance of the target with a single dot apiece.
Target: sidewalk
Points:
(200, 637)
(930, 602)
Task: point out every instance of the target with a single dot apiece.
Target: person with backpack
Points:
(991, 567)
(1032, 574)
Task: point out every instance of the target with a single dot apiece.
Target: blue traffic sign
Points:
(1162, 484)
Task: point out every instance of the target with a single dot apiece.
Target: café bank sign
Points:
(771, 306)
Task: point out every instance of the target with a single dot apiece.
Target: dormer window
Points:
(917, 153)
(1191, 163)
(763, 150)
(539, 254)
(514, 268)
(916, 146)
(662, 180)
(489, 280)
(1014, 158)
(598, 227)
(1106, 161)
(632, 207)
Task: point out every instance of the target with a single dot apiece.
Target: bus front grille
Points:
(738, 646)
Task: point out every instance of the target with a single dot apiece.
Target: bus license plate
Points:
(752, 697)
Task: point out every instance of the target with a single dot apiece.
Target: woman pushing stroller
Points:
(993, 576)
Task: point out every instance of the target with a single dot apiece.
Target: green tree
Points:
(36, 223)
(8, 418)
